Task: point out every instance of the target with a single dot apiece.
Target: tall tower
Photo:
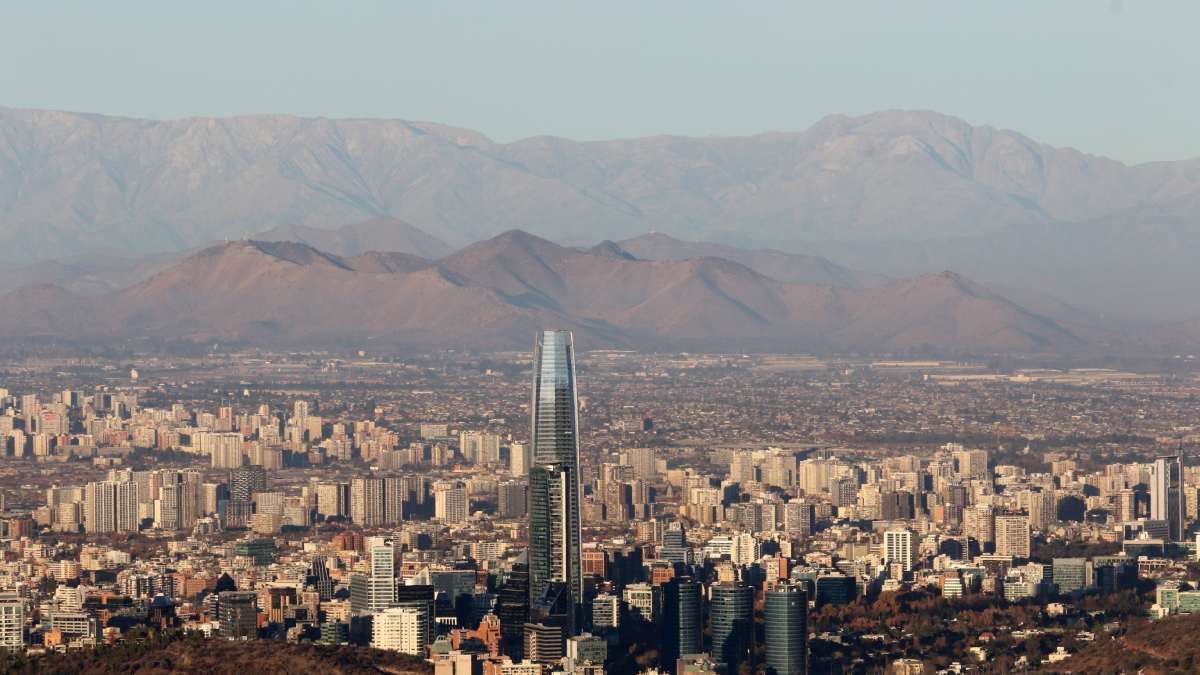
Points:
(786, 630)
(682, 630)
(1166, 494)
(732, 617)
(554, 540)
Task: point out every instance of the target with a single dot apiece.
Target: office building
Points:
(544, 643)
(512, 607)
(587, 648)
(731, 612)
(1166, 494)
(245, 481)
(238, 615)
(1071, 575)
(785, 630)
(554, 528)
(375, 591)
(682, 619)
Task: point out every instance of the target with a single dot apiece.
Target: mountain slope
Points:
(376, 234)
(899, 193)
(76, 182)
(88, 274)
(494, 294)
(791, 267)
(1136, 265)
(1146, 647)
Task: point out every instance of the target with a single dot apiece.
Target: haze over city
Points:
(540, 339)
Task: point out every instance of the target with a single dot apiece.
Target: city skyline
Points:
(392, 515)
(673, 338)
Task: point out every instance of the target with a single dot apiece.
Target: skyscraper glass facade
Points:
(731, 614)
(683, 619)
(785, 628)
(554, 539)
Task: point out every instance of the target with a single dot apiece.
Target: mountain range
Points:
(95, 204)
(494, 294)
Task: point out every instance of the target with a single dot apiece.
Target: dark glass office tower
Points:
(512, 606)
(554, 543)
(732, 617)
(683, 621)
(785, 615)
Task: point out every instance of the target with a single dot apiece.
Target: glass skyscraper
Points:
(683, 620)
(554, 540)
(732, 618)
(785, 628)
(1166, 495)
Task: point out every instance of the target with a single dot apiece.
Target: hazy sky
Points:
(1110, 77)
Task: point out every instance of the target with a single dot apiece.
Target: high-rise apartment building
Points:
(746, 549)
(843, 491)
(480, 447)
(606, 612)
(1041, 508)
(225, 449)
(979, 523)
(1126, 505)
(798, 517)
(544, 643)
(1012, 535)
(450, 502)
(554, 527)
(99, 507)
(971, 464)
(333, 499)
(367, 502)
(743, 468)
(519, 459)
(401, 629)
(513, 497)
(110, 506)
(901, 546)
(12, 622)
(644, 462)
